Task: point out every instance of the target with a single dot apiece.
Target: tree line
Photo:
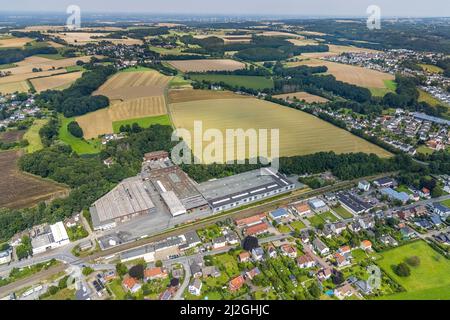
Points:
(77, 100)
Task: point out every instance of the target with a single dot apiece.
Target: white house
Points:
(364, 185)
(195, 288)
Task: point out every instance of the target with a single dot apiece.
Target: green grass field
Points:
(283, 228)
(343, 213)
(75, 68)
(431, 68)
(135, 69)
(429, 280)
(390, 86)
(298, 225)
(328, 216)
(403, 188)
(53, 56)
(446, 203)
(142, 122)
(80, 146)
(253, 82)
(316, 220)
(424, 150)
(117, 289)
(7, 66)
(32, 135)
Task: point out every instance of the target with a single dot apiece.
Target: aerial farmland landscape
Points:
(244, 151)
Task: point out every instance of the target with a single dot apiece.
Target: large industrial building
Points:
(176, 189)
(46, 237)
(244, 188)
(129, 199)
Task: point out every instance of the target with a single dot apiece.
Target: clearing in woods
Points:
(32, 135)
(55, 82)
(351, 74)
(205, 65)
(252, 82)
(300, 133)
(21, 190)
(80, 146)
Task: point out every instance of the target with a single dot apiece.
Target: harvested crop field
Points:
(134, 94)
(21, 190)
(351, 74)
(27, 65)
(55, 82)
(307, 97)
(100, 122)
(300, 133)
(185, 95)
(19, 86)
(205, 65)
(335, 50)
(95, 123)
(132, 85)
(82, 38)
(11, 136)
(12, 42)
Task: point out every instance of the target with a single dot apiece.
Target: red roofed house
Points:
(131, 284)
(344, 291)
(324, 274)
(306, 261)
(155, 273)
(344, 249)
(236, 283)
(289, 251)
(424, 192)
(366, 245)
(244, 256)
(257, 229)
(302, 209)
(250, 221)
(341, 260)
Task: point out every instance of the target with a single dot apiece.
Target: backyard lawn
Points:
(343, 212)
(429, 280)
(446, 203)
(328, 216)
(283, 228)
(298, 225)
(316, 220)
(116, 288)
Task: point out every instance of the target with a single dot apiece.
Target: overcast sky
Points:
(270, 7)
